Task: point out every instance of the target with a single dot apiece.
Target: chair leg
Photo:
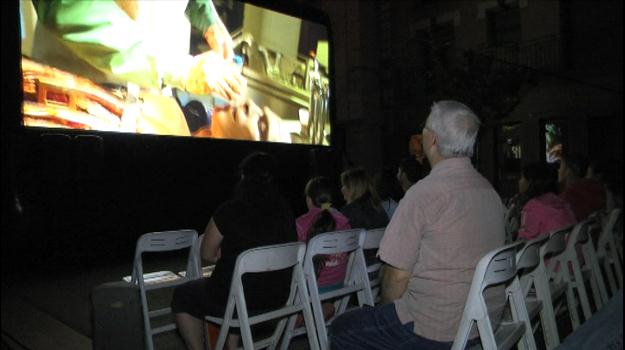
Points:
(547, 315)
(609, 272)
(616, 261)
(599, 290)
(519, 313)
(581, 289)
(571, 300)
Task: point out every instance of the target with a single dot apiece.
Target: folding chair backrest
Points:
(500, 267)
(334, 243)
(529, 255)
(259, 260)
(372, 241)
(607, 232)
(267, 259)
(373, 238)
(579, 234)
(556, 243)
(163, 242)
(497, 266)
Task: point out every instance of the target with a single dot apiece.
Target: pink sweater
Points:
(543, 214)
(335, 265)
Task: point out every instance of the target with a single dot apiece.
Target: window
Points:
(503, 26)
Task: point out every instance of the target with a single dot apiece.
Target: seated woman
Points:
(257, 215)
(363, 208)
(388, 189)
(322, 217)
(543, 211)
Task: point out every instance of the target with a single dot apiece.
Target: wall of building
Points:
(381, 75)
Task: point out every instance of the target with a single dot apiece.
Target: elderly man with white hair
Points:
(444, 224)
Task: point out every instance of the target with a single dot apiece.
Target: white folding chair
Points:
(205, 271)
(511, 221)
(576, 280)
(591, 264)
(547, 291)
(607, 252)
(356, 280)
(372, 241)
(260, 260)
(528, 259)
(162, 242)
(496, 267)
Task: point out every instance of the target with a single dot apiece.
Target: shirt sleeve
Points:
(402, 238)
(202, 14)
(103, 35)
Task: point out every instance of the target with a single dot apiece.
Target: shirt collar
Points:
(451, 163)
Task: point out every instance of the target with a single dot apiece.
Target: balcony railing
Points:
(544, 53)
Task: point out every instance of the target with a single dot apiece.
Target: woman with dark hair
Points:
(387, 188)
(543, 210)
(257, 215)
(409, 172)
(322, 217)
(363, 207)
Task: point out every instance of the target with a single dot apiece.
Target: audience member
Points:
(543, 210)
(584, 195)
(322, 217)
(609, 173)
(409, 172)
(363, 208)
(442, 227)
(387, 188)
(257, 215)
(415, 147)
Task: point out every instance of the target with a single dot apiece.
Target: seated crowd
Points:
(443, 225)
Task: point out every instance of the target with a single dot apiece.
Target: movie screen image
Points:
(196, 68)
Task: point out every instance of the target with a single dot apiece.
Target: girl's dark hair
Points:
(542, 178)
(320, 190)
(324, 222)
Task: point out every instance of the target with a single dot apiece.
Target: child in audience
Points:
(322, 217)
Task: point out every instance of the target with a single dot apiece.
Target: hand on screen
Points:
(212, 74)
(219, 40)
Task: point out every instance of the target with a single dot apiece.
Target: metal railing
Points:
(543, 53)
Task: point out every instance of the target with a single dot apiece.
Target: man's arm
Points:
(394, 283)
(203, 16)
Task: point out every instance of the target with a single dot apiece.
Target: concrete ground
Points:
(43, 309)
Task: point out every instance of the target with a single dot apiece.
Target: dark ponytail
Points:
(324, 222)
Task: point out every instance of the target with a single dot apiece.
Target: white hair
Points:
(455, 126)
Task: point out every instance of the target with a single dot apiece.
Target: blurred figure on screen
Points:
(143, 42)
(146, 44)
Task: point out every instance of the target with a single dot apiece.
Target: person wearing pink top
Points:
(544, 211)
(322, 217)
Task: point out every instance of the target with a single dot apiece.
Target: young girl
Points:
(322, 217)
